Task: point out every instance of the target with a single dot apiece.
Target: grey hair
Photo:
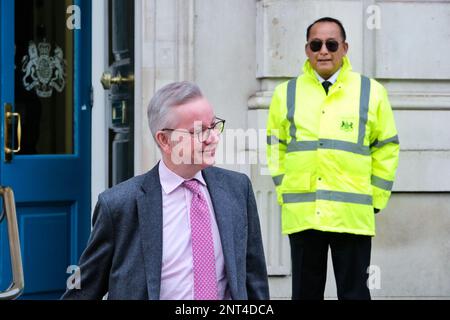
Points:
(169, 96)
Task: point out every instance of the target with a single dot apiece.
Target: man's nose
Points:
(323, 49)
(212, 138)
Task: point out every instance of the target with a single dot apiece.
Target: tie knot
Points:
(326, 84)
(192, 185)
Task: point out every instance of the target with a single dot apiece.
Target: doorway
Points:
(46, 142)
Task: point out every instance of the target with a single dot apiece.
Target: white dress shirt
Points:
(177, 276)
(332, 79)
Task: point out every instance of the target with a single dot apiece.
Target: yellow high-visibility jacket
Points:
(332, 158)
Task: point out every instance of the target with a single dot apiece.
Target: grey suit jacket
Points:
(124, 254)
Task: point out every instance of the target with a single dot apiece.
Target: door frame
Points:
(140, 125)
(99, 138)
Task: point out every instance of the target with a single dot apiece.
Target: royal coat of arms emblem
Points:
(42, 71)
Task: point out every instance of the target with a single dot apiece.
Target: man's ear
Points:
(163, 141)
(345, 47)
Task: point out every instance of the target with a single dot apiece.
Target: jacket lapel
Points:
(149, 205)
(222, 207)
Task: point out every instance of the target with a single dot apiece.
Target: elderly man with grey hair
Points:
(185, 230)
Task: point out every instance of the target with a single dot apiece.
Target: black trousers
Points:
(351, 258)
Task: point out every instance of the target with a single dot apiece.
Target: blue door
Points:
(45, 137)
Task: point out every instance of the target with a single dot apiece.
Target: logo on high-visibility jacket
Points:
(347, 126)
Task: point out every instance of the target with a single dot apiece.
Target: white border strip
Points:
(99, 148)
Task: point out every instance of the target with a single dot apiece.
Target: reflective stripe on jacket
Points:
(332, 158)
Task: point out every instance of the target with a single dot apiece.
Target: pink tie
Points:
(204, 262)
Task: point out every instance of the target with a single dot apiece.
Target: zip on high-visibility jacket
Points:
(332, 157)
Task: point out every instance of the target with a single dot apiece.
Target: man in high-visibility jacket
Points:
(333, 153)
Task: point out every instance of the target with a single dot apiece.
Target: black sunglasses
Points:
(316, 45)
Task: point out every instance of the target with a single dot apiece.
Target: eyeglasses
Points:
(316, 45)
(204, 134)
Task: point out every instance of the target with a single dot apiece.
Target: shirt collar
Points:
(170, 180)
(332, 79)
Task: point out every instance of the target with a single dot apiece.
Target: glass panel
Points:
(44, 76)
